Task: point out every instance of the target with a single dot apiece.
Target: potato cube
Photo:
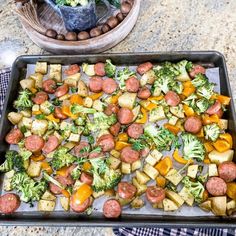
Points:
(55, 72)
(192, 171)
(82, 89)
(26, 113)
(223, 124)
(64, 97)
(88, 102)
(98, 194)
(45, 205)
(41, 67)
(34, 169)
(115, 153)
(206, 206)
(27, 83)
(136, 165)
(74, 137)
(72, 80)
(219, 205)
(114, 162)
(48, 196)
(27, 122)
(151, 160)
(174, 177)
(14, 117)
(157, 114)
(169, 205)
(220, 157)
(142, 177)
(175, 197)
(38, 78)
(173, 120)
(98, 105)
(88, 69)
(69, 145)
(212, 170)
(178, 111)
(150, 171)
(125, 168)
(156, 154)
(35, 108)
(141, 188)
(187, 196)
(158, 205)
(127, 100)
(65, 203)
(231, 207)
(39, 127)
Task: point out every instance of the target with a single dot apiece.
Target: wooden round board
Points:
(50, 19)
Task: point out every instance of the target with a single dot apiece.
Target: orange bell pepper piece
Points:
(188, 110)
(87, 166)
(144, 117)
(164, 166)
(66, 110)
(161, 181)
(114, 98)
(188, 88)
(33, 90)
(206, 119)
(36, 113)
(150, 106)
(45, 166)
(200, 134)
(180, 159)
(221, 145)
(65, 193)
(38, 158)
(155, 98)
(224, 100)
(95, 96)
(228, 138)
(52, 118)
(63, 171)
(76, 99)
(172, 128)
(120, 145)
(82, 193)
(208, 146)
(123, 137)
(231, 190)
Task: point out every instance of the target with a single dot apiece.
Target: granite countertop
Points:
(163, 25)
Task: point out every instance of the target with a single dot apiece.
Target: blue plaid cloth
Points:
(4, 79)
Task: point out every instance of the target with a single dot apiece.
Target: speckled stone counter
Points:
(163, 25)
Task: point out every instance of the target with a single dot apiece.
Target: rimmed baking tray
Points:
(60, 218)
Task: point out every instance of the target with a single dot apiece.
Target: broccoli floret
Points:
(76, 172)
(123, 75)
(104, 178)
(139, 144)
(202, 105)
(81, 120)
(25, 154)
(199, 80)
(162, 138)
(110, 69)
(30, 189)
(212, 132)
(164, 83)
(13, 161)
(181, 68)
(61, 158)
(23, 101)
(191, 100)
(189, 66)
(192, 147)
(101, 121)
(202, 178)
(75, 109)
(206, 91)
(195, 188)
(177, 87)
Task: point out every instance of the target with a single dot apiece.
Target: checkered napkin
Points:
(4, 78)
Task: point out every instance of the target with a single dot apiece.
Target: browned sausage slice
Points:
(9, 203)
(135, 130)
(40, 97)
(62, 90)
(129, 155)
(111, 109)
(172, 98)
(14, 136)
(95, 84)
(106, 142)
(86, 178)
(193, 124)
(51, 144)
(125, 116)
(79, 208)
(59, 114)
(73, 69)
(126, 190)
(115, 129)
(144, 93)
(227, 171)
(64, 180)
(112, 209)
(196, 70)
(109, 86)
(82, 150)
(99, 69)
(132, 84)
(216, 186)
(155, 194)
(34, 143)
(49, 86)
(214, 108)
(145, 67)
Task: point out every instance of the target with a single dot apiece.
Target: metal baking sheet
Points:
(146, 216)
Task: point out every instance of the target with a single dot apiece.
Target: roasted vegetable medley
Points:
(151, 134)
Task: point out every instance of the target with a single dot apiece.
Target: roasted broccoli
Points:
(13, 161)
(192, 147)
(176, 87)
(30, 189)
(202, 178)
(123, 75)
(62, 157)
(212, 132)
(139, 144)
(110, 69)
(25, 154)
(75, 109)
(195, 188)
(189, 66)
(104, 178)
(162, 138)
(191, 100)
(199, 80)
(81, 120)
(23, 101)
(163, 83)
(206, 90)
(182, 71)
(202, 105)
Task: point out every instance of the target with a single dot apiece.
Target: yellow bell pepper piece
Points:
(206, 119)
(200, 134)
(188, 88)
(161, 181)
(180, 159)
(172, 128)
(188, 111)
(228, 138)
(36, 113)
(208, 146)
(95, 96)
(52, 118)
(164, 166)
(151, 106)
(155, 98)
(82, 193)
(76, 99)
(114, 98)
(63, 171)
(38, 158)
(144, 117)
(45, 166)
(221, 145)
(120, 145)
(33, 90)
(87, 166)
(224, 100)
(123, 137)
(66, 110)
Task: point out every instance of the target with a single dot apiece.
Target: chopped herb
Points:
(73, 89)
(23, 129)
(56, 102)
(51, 108)
(91, 139)
(40, 117)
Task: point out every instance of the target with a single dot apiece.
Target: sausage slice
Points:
(144, 93)
(51, 144)
(14, 136)
(95, 84)
(132, 84)
(125, 116)
(49, 86)
(216, 186)
(112, 209)
(227, 171)
(40, 97)
(135, 130)
(155, 194)
(62, 90)
(129, 155)
(126, 190)
(34, 143)
(172, 98)
(193, 124)
(109, 86)
(9, 203)
(99, 69)
(145, 67)
(106, 142)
